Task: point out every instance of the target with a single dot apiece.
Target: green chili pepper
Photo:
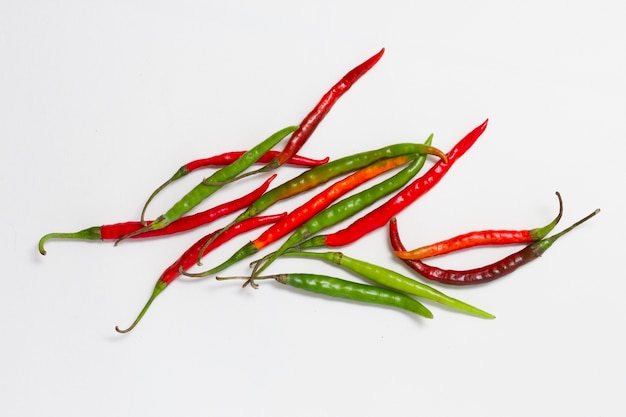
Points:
(202, 190)
(391, 279)
(339, 288)
(323, 173)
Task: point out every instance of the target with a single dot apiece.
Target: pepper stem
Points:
(541, 232)
(243, 252)
(158, 288)
(212, 239)
(541, 246)
(182, 171)
(91, 233)
(247, 278)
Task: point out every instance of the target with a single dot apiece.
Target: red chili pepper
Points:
(222, 160)
(381, 215)
(189, 258)
(482, 238)
(117, 230)
(485, 273)
(313, 119)
(230, 157)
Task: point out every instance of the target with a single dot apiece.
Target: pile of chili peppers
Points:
(323, 210)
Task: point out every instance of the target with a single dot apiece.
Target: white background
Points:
(102, 101)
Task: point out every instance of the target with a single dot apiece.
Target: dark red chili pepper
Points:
(189, 258)
(482, 238)
(117, 230)
(226, 159)
(485, 273)
(381, 215)
(313, 119)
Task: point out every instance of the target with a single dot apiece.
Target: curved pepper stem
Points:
(182, 171)
(91, 233)
(541, 246)
(541, 232)
(158, 289)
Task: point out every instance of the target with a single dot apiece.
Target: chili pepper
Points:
(318, 175)
(226, 159)
(341, 211)
(381, 215)
(313, 119)
(188, 259)
(391, 279)
(482, 238)
(339, 288)
(485, 273)
(117, 230)
(203, 191)
(308, 210)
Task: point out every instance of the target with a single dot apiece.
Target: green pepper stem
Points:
(245, 251)
(246, 277)
(541, 232)
(182, 171)
(91, 233)
(158, 289)
(541, 246)
(213, 238)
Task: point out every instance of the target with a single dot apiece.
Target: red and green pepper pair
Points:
(485, 273)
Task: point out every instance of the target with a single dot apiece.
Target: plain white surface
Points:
(101, 101)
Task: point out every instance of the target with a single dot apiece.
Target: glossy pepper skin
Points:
(348, 290)
(313, 119)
